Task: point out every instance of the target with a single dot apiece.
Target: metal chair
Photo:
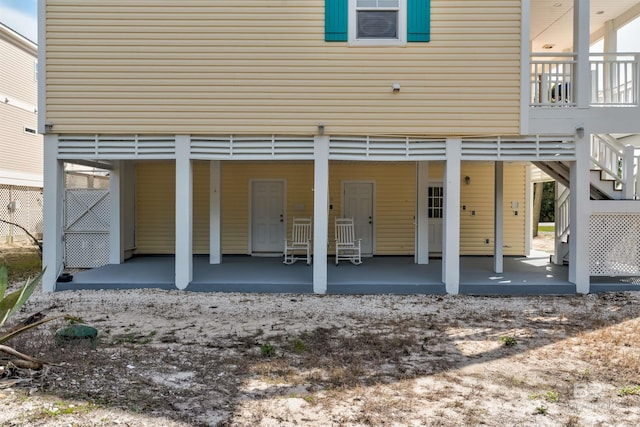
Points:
(299, 246)
(347, 247)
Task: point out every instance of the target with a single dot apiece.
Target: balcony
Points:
(613, 80)
(557, 97)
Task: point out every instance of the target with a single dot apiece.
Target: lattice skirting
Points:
(614, 245)
(23, 206)
(86, 250)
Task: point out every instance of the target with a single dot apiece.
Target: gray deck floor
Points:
(381, 274)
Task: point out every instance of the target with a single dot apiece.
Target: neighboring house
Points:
(219, 122)
(20, 143)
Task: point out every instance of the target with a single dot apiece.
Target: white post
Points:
(116, 231)
(128, 207)
(451, 237)
(628, 179)
(320, 213)
(580, 216)
(215, 252)
(528, 220)
(184, 213)
(422, 215)
(53, 221)
(498, 220)
(581, 38)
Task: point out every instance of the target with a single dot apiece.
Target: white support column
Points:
(184, 213)
(581, 40)
(580, 216)
(528, 219)
(116, 232)
(422, 214)
(451, 238)
(498, 222)
(610, 45)
(215, 252)
(320, 213)
(53, 221)
(128, 207)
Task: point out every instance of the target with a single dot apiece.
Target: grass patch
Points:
(546, 228)
(21, 265)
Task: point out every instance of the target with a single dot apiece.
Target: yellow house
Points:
(219, 123)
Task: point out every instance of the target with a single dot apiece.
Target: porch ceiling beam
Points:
(106, 165)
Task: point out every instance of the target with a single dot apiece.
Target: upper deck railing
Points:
(614, 79)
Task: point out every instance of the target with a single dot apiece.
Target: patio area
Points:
(377, 275)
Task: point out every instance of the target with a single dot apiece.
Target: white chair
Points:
(347, 247)
(299, 247)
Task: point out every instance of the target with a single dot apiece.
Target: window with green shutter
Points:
(377, 22)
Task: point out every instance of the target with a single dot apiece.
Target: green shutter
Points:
(418, 20)
(336, 21)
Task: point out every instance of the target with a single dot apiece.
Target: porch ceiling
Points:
(552, 20)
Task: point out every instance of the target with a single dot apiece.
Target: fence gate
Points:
(86, 228)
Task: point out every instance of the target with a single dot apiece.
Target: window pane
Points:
(367, 3)
(377, 24)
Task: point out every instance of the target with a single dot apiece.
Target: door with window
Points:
(435, 208)
(358, 204)
(267, 217)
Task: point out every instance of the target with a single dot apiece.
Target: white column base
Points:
(451, 239)
(320, 213)
(184, 213)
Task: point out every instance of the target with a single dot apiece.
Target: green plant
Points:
(551, 396)
(508, 341)
(629, 391)
(299, 346)
(267, 350)
(9, 305)
(541, 410)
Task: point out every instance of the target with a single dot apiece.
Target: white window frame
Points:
(402, 28)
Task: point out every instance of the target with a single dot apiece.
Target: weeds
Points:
(267, 350)
(629, 390)
(508, 341)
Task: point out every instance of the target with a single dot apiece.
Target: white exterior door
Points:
(267, 217)
(358, 204)
(435, 206)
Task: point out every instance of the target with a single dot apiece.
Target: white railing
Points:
(620, 163)
(562, 213)
(551, 79)
(614, 79)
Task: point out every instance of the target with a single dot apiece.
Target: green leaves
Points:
(11, 303)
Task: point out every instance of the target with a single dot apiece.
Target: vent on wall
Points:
(526, 149)
(259, 147)
(116, 147)
(386, 148)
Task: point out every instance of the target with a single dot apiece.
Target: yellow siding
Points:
(262, 66)
(156, 204)
(478, 196)
(236, 178)
(394, 207)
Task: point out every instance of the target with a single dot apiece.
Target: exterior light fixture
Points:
(467, 180)
(320, 128)
(395, 87)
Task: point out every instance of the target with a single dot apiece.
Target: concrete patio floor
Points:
(377, 275)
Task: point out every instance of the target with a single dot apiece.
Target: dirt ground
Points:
(190, 359)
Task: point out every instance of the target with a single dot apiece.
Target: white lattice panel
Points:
(386, 148)
(261, 147)
(87, 210)
(23, 206)
(86, 250)
(614, 245)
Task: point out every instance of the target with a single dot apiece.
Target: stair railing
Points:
(607, 155)
(562, 213)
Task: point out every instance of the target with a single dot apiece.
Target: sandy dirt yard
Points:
(189, 359)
